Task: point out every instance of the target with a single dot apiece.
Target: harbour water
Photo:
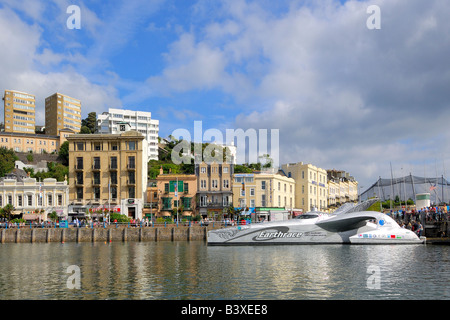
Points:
(171, 270)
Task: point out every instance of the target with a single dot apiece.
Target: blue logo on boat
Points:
(381, 222)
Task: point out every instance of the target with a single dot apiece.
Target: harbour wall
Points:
(109, 234)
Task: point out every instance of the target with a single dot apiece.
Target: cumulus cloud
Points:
(343, 96)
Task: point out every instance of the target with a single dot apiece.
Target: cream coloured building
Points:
(62, 111)
(342, 188)
(260, 193)
(19, 112)
(108, 171)
(311, 185)
(214, 191)
(35, 199)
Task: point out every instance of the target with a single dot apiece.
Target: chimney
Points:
(161, 170)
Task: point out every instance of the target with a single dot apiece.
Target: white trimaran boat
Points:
(349, 224)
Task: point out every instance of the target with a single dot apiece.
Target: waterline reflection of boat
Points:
(349, 224)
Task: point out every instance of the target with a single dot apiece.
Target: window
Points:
(96, 177)
(131, 162)
(214, 184)
(49, 200)
(203, 184)
(79, 163)
(79, 177)
(114, 192)
(131, 179)
(252, 191)
(96, 163)
(225, 170)
(29, 200)
(113, 163)
(114, 147)
(226, 184)
(203, 170)
(113, 177)
(96, 192)
(263, 200)
(79, 193)
(166, 188)
(252, 203)
(263, 185)
(60, 200)
(186, 187)
(132, 145)
(131, 192)
(79, 146)
(10, 200)
(39, 200)
(19, 200)
(97, 146)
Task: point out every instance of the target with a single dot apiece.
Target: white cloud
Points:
(343, 96)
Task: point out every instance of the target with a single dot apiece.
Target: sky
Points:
(341, 95)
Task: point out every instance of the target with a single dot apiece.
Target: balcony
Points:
(96, 167)
(96, 182)
(79, 182)
(78, 166)
(131, 182)
(131, 166)
(113, 167)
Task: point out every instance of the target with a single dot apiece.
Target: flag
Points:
(432, 188)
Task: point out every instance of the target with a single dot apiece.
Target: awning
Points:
(31, 216)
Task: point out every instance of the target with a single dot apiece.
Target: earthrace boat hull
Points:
(348, 226)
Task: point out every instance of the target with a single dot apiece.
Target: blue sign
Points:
(63, 224)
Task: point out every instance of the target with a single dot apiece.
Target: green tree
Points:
(90, 122)
(63, 154)
(6, 211)
(7, 161)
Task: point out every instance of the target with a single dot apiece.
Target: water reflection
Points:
(181, 270)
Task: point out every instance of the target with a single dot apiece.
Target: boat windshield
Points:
(307, 216)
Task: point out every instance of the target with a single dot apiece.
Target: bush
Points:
(119, 217)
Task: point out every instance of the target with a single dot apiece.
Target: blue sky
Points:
(342, 96)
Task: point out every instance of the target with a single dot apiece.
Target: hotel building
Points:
(260, 193)
(342, 188)
(108, 171)
(214, 194)
(19, 112)
(34, 143)
(176, 192)
(62, 111)
(34, 200)
(139, 121)
(311, 185)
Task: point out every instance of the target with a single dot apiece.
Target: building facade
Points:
(176, 195)
(214, 188)
(34, 143)
(139, 121)
(19, 112)
(62, 111)
(108, 171)
(342, 188)
(35, 200)
(311, 186)
(260, 193)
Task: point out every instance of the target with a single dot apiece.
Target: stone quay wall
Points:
(100, 234)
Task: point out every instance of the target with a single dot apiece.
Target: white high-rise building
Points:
(139, 121)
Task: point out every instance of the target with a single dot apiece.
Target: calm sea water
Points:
(182, 270)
